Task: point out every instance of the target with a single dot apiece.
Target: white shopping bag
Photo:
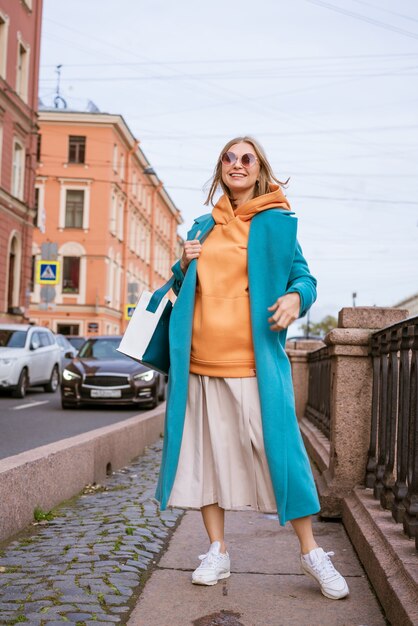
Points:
(146, 338)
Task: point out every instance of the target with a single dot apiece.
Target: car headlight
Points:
(7, 361)
(69, 375)
(147, 376)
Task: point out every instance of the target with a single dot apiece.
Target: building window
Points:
(115, 158)
(18, 170)
(76, 149)
(4, 27)
(68, 329)
(32, 274)
(1, 150)
(36, 207)
(113, 214)
(38, 147)
(71, 274)
(74, 207)
(22, 73)
(119, 226)
(13, 275)
(122, 166)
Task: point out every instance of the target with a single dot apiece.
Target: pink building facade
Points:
(20, 28)
(104, 216)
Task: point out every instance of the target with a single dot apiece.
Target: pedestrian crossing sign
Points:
(129, 310)
(47, 272)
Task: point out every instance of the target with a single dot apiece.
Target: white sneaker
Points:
(214, 566)
(318, 565)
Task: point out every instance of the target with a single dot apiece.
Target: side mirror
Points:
(69, 354)
(35, 344)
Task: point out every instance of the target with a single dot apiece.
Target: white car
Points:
(66, 348)
(29, 356)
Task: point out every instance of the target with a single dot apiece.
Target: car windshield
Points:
(102, 349)
(12, 338)
(77, 342)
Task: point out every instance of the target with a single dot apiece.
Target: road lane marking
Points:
(27, 406)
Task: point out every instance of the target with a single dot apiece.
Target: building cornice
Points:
(117, 122)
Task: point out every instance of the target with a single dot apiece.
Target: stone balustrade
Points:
(356, 400)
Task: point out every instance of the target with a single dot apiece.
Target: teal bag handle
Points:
(159, 294)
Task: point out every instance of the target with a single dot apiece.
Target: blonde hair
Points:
(266, 175)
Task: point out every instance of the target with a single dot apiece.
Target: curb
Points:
(50, 474)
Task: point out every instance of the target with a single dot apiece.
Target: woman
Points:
(231, 437)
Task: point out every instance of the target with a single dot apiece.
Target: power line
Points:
(379, 8)
(364, 200)
(242, 60)
(364, 18)
(406, 71)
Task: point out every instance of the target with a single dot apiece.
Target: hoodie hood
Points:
(223, 211)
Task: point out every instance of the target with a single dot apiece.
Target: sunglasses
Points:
(247, 160)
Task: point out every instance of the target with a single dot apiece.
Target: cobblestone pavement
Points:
(88, 565)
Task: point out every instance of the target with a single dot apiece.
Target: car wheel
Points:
(54, 381)
(22, 385)
(67, 405)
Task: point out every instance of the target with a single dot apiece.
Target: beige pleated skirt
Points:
(222, 457)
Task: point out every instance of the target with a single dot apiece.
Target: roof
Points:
(93, 117)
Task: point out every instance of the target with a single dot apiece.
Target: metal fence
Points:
(319, 390)
(392, 468)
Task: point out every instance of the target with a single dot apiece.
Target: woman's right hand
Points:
(192, 249)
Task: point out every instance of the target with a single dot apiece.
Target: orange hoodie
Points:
(221, 338)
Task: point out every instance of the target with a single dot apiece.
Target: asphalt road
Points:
(38, 419)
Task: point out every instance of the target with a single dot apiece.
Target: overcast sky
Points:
(330, 88)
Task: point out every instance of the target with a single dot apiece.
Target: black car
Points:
(76, 340)
(100, 374)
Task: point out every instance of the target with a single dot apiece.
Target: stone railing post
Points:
(297, 351)
(351, 400)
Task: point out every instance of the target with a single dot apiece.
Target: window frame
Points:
(74, 184)
(80, 149)
(4, 35)
(83, 192)
(22, 69)
(64, 290)
(18, 192)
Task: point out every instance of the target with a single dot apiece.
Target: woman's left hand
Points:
(286, 309)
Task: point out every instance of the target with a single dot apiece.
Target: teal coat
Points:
(275, 266)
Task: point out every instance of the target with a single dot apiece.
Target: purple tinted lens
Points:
(248, 159)
(228, 158)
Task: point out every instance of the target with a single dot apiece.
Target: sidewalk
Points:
(89, 564)
(266, 587)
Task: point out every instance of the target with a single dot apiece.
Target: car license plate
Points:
(105, 393)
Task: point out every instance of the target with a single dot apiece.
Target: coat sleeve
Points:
(176, 269)
(179, 277)
(301, 281)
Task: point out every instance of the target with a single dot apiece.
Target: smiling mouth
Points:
(236, 175)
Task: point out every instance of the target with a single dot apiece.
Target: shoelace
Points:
(209, 558)
(325, 567)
